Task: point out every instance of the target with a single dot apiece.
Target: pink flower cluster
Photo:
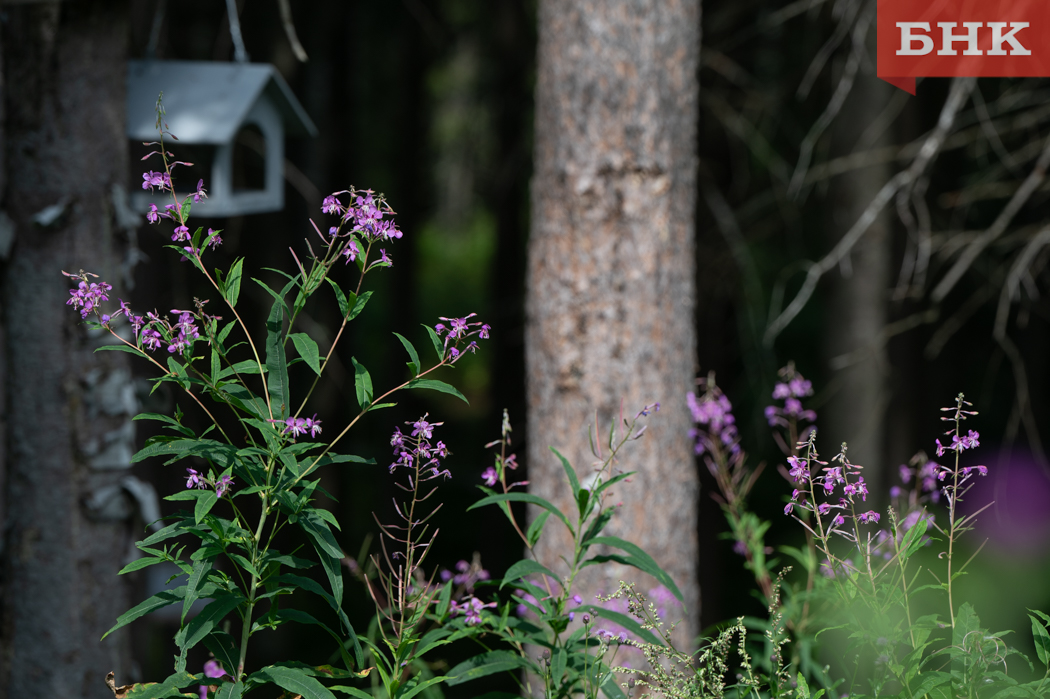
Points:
(459, 330)
(415, 450)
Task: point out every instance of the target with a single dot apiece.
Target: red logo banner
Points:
(966, 38)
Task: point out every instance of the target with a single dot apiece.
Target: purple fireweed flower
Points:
(490, 476)
(331, 205)
(577, 599)
(194, 480)
(222, 486)
(181, 233)
(156, 179)
(153, 215)
(200, 193)
(294, 426)
(151, 339)
(422, 427)
(312, 424)
(87, 296)
(838, 521)
(824, 508)
(471, 608)
(871, 516)
(798, 469)
(484, 332)
(351, 252)
(213, 238)
(789, 508)
(383, 257)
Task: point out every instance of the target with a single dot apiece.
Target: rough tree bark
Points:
(68, 428)
(610, 280)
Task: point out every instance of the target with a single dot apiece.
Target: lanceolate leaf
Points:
(362, 383)
(435, 385)
(307, 349)
(640, 560)
(359, 305)
(295, 681)
(340, 297)
(233, 282)
(412, 354)
(205, 622)
(523, 568)
(522, 497)
(193, 585)
(484, 665)
(157, 601)
(276, 362)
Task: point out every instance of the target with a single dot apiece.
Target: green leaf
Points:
(435, 385)
(912, 541)
(204, 504)
(412, 354)
(307, 349)
(535, 529)
(1042, 640)
(140, 563)
(205, 622)
(363, 384)
(172, 422)
(524, 568)
(295, 681)
(230, 690)
(216, 367)
(439, 346)
(522, 497)
(340, 297)
(640, 560)
(359, 305)
(121, 348)
(626, 621)
(609, 687)
(157, 601)
(413, 686)
(485, 664)
(232, 287)
(223, 646)
(802, 692)
(352, 691)
(276, 362)
(319, 532)
(193, 585)
(570, 472)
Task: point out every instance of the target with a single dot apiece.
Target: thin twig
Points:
(960, 91)
(1020, 197)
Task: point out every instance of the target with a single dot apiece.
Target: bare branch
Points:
(958, 95)
(1020, 197)
(838, 98)
(289, 31)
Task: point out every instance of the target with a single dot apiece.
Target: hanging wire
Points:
(154, 31)
(239, 54)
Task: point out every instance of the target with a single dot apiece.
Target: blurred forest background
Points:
(431, 103)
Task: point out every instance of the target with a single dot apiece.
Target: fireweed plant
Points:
(565, 645)
(871, 581)
(226, 557)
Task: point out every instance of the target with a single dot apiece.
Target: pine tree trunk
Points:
(859, 298)
(67, 410)
(611, 288)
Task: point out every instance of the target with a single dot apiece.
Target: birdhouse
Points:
(208, 104)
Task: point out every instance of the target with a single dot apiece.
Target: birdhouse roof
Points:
(206, 101)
